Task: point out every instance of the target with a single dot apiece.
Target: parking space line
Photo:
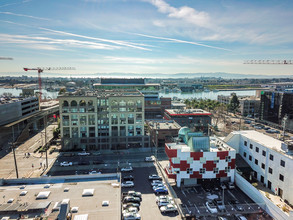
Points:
(232, 194)
(194, 189)
(183, 192)
(189, 203)
(249, 206)
(196, 209)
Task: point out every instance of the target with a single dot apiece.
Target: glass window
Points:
(216, 170)
(138, 130)
(138, 118)
(256, 161)
(122, 119)
(216, 160)
(251, 146)
(202, 170)
(130, 130)
(250, 157)
(130, 119)
(83, 132)
(270, 170)
(282, 163)
(281, 177)
(264, 153)
(122, 131)
(65, 104)
(74, 132)
(271, 157)
(66, 132)
(91, 119)
(244, 154)
(114, 103)
(189, 171)
(65, 120)
(114, 119)
(73, 103)
(228, 158)
(82, 103)
(263, 166)
(245, 143)
(227, 169)
(82, 120)
(74, 120)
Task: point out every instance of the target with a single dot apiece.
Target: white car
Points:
(159, 185)
(158, 198)
(149, 159)
(126, 169)
(231, 185)
(83, 153)
(94, 172)
(211, 207)
(154, 177)
(156, 182)
(65, 164)
(131, 216)
(168, 208)
(127, 184)
(164, 202)
(130, 209)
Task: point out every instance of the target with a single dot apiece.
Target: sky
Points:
(145, 36)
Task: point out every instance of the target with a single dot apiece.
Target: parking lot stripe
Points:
(231, 194)
(196, 209)
(183, 193)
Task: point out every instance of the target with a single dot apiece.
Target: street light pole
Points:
(15, 164)
(45, 124)
(13, 146)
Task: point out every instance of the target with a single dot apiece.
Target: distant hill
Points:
(152, 75)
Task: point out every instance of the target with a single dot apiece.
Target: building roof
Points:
(215, 145)
(163, 124)
(187, 112)
(103, 93)
(61, 188)
(263, 139)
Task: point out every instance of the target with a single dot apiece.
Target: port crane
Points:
(40, 70)
(280, 62)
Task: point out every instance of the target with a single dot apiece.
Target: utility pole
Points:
(13, 146)
(45, 124)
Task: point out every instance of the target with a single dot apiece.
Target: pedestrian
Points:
(32, 165)
(25, 155)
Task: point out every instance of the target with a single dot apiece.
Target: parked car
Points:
(219, 204)
(159, 185)
(168, 208)
(65, 164)
(163, 197)
(131, 204)
(211, 207)
(128, 178)
(83, 153)
(154, 177)
(126, 169)
(84, 163)
(164, 202)
(156, 182)
(230, 185)
(133, 193)
(130, 209)
(94, 172)
(240, 217)
(132, 199)
(161, 190)
(127, 184)
(149, 159)
(236, 205)
(131, 216)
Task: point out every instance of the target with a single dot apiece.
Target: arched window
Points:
(90, 103)
(82, 103)
(65, 104)
(114, 102)
(122, 103)
(73, 103)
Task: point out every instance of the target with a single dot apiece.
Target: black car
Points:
(98, 162)
(132, 199)
(84, 163)
(128, 178)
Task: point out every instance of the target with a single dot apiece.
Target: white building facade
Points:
(271, 160)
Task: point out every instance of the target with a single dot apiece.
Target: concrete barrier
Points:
(261, 199)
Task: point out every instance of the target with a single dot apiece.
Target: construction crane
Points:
(41, 69)
(6, 58)
(281, 62)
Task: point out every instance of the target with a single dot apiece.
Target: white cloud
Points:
(185, 13)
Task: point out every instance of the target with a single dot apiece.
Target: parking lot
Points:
(148, 207)
(194, 202)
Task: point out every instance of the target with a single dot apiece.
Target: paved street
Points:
(27, 166)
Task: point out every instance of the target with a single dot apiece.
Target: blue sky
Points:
(146, 36)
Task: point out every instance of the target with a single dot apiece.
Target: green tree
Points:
(62, 91)
(234, 104)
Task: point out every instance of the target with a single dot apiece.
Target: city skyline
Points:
(146, 36)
